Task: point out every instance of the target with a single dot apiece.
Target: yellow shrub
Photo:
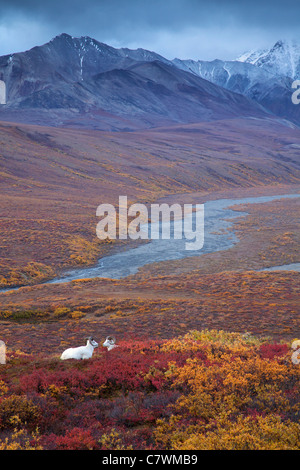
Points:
(246, 433)
(61, 311)
(223, 384)
(77, 314)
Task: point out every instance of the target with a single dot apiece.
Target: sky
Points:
(187, 29)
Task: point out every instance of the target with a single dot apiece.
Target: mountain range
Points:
(264, 76)
(82, 82)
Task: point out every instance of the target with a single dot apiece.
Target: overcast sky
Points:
(193, 29)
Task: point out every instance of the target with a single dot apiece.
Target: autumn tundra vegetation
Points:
(207, 389)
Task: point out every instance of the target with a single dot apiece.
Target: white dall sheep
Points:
(296, 354)
(110, 343)
(82, 352)
(2, 352)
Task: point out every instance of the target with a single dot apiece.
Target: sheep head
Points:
(92, 342)
(295, 344)
(110, 342)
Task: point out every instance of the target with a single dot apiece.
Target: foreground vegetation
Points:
(208, 389)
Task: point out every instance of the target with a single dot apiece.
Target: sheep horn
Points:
(111, 339)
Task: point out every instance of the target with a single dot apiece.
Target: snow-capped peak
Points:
(281, 59)
(251, 57)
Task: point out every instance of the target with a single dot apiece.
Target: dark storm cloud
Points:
(185, 28)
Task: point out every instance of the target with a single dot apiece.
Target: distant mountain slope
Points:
(158, 89)
(80, 81)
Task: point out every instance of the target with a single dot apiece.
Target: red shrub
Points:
(270, 350)
(75, 439)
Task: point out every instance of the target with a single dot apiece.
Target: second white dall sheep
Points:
(110, 343)
(82, 352)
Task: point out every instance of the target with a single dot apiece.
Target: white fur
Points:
(296, 357)
(82, 352)
(2, 352)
